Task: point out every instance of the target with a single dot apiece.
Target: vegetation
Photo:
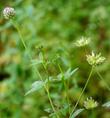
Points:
(54, 59)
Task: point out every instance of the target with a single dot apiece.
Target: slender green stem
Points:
(52, 104)
(26, 48)
(100, 76)
(47, 89)
(46, 71)
(66, 88)
(85, 50)
(82, 92)
(20, 35)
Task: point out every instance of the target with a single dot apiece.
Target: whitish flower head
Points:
(90, 103)
(95, 59)
(82, 42)
(8, 13)
(99, 13)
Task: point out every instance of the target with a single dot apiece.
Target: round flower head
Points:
(90, 103)
(82, 42)
(95, 59)
(8, 13)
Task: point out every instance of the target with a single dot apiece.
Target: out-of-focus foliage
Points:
(55, 25)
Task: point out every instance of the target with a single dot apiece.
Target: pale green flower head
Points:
(82, 42)
(95, 59)
(90, 103)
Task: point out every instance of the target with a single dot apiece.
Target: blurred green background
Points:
(55, 25)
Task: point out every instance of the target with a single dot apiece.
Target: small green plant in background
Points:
(63, 77)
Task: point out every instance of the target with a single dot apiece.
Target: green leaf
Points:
(67, 74)
(36, 62)
(70, 72)
(36, 86)
(107, 104)
(48, 110)
(62, 111)
(76, 113)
